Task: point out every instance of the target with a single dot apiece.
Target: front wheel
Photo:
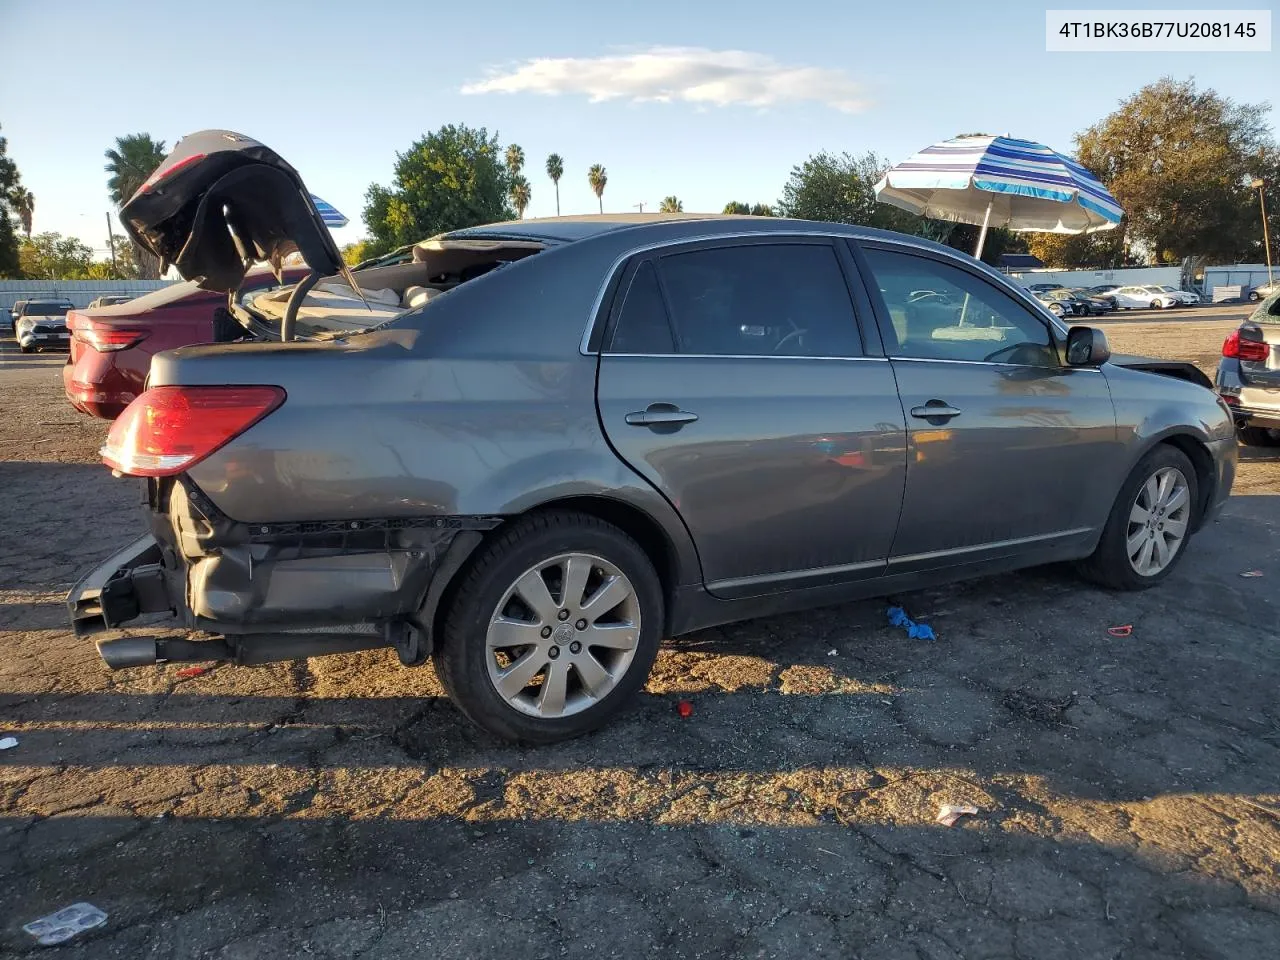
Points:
(27, 348)
(1150, 523)
(553, 628)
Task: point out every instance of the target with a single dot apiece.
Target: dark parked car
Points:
(1096, 305)
(1061, 303)
(601, 431)
(40, 324)
(1248, 377)
(112, 346)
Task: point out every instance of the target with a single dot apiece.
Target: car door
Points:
(1009, 451)
(735, 379)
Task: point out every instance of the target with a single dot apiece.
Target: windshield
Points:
(1268, 310)
(45, 310)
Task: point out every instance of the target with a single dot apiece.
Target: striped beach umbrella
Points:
(1001, 181)
(328, 213)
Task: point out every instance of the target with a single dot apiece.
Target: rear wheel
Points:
(1259, 436)
(1150, 523)
(554, 627)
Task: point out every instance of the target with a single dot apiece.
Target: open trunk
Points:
(221, 202)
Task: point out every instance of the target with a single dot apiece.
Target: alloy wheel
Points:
(1158, 521)
(563, 635)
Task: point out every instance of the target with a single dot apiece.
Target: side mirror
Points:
(1087, 347)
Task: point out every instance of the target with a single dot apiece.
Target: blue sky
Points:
(752, 88)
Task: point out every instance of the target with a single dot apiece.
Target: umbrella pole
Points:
(982, 237)
(977, 253)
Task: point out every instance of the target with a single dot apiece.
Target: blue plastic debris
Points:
(916, 631)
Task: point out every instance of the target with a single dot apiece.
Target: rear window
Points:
(1268, 310)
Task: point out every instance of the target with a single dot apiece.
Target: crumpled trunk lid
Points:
(222, 201)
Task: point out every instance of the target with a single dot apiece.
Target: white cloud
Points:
(689, 74)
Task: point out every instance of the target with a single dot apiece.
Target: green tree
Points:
(446, 180)
(133, 159)
(598, 178)
(51, 256)
(520, 194)
(555, 170)
(515, 160)
(754, 209)
(1086, 251)
(354, 253)
(670, 205)
(24, 205)
(841, 189)
(1179, 161)
(10, 189)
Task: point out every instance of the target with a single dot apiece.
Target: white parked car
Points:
(1189, 297)
(1142, 298)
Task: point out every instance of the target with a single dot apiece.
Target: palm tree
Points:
(515, 159)
(555, 170)
(670, 205)
(24, 204)
(597, 177)
(520, 192)
(133, 160)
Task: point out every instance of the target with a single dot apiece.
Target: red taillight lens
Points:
(107, 339)
(170, 429)
(162, 174)
(1237, 348)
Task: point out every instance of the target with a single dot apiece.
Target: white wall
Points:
(79, 292)
(1095, 278)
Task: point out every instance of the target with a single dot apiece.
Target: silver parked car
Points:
(1248, 377)
(591, 433)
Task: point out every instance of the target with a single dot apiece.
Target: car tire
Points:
(27, 348)
(1111, 565)
(1254, 297)
(1258, 437)
(488, 605)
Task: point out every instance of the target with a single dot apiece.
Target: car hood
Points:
(1172, 368)
(222, 201)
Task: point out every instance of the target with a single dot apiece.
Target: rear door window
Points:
(784, 299)
(642, 325)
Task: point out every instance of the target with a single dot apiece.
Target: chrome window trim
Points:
(993, 363)
(612, 272)
(740, 356)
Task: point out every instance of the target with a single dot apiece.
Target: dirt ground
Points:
(1128, 788)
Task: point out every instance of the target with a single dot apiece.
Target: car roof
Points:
(569, 229)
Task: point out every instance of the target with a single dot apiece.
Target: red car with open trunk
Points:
(112, 347)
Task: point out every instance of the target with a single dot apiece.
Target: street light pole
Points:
(1266, 237)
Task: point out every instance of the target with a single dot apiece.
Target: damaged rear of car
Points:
(275, 583)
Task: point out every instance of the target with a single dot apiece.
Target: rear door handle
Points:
(935, 410)
(660, 415)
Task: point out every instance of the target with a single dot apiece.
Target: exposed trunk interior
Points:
(333, 308)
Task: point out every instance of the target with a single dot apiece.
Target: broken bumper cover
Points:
(123, 587)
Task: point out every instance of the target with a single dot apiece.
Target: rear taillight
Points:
(103, 338)
(167, 430)
(1237, 348)
(165, 174)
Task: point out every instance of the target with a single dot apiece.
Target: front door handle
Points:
(935, 410)
(660, 415)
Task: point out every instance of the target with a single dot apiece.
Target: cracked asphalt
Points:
(1128, 788)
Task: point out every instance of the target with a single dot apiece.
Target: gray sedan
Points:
(580, 435)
